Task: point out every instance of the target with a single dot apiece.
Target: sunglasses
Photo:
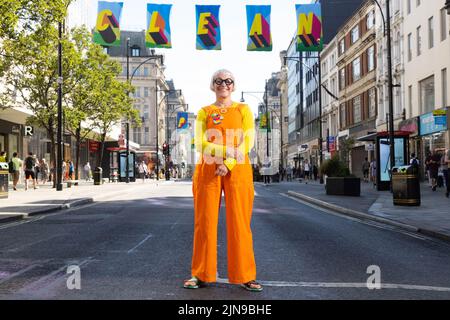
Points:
(219, 82)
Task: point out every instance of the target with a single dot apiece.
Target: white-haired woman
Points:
(224, 135)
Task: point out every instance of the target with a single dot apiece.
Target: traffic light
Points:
(165, 149)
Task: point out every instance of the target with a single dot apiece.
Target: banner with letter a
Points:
(258, 25)
(158, 26)
(309, 27)
(107, 28)
(208, 28)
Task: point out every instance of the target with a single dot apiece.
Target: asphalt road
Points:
(139, 245)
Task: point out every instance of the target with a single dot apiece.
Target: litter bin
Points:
(98, 176)
(406, 185)
(4, 173)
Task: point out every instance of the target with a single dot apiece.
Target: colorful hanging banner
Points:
(264, 123)
(158, 26)
(258, 25)
(309, 27)
(182, 121)
(107, 29)
(208, 28)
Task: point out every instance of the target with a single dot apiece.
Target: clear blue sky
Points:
(191, 69)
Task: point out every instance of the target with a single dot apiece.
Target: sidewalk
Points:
(432, 217)
(21, 204)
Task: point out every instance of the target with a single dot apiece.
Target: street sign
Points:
(440, 112)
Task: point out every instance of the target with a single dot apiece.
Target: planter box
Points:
(343, 186)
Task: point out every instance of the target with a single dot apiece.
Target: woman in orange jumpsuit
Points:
(224, 135)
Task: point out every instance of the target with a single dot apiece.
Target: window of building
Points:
(443, 24)
(427, 100)
(145, 91)
(430, 33)
(356, 69)
(371, 58)
(397, 51)
(410, 97)
(135, 52)
(419, 41)
(408, 6)
(137, 92)
(341, 46)
(444, 87)
(409, 47)
(355, 34)
(146, 71)
(342, 116)
(370, 22)
(342, 79)
(357, 109)
(372, 103)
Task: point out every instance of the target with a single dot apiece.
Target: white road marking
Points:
(345, 285)
(140, 243)
(18, 273)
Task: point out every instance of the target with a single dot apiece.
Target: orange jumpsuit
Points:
(211, 140)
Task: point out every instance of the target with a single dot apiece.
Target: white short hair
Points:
(222, 71)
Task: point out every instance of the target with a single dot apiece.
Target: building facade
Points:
(427, 67)
(357, 83)
(330, 99)
(146, 74)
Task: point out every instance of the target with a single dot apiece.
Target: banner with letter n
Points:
(107, 28)
(309, 27)
(182, 121)
(208, 28)
(258, 25)
(158, 26)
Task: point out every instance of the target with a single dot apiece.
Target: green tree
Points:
(83, 97)
(20, 18)
(33, 77)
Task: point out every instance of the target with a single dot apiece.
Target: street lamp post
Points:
(387, 33)
(156, 99)
(127, 179)
(60, 119)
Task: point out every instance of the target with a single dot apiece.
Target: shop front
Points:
(433, 132)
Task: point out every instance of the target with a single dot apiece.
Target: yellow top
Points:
(248, 127)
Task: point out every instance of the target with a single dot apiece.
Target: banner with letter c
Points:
(107, 28)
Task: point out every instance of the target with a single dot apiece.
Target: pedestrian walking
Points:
(427, 168)
(289, 173)
(14, 168)
(306, 169)
(373, 172)
(29, 168)
(71, 170)
(87, 171)
(224, 166)
(44, 169)
(433, 164)
(37, 169)
(142, 170)
(446, 158)
(365, 170)
(414, 160)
